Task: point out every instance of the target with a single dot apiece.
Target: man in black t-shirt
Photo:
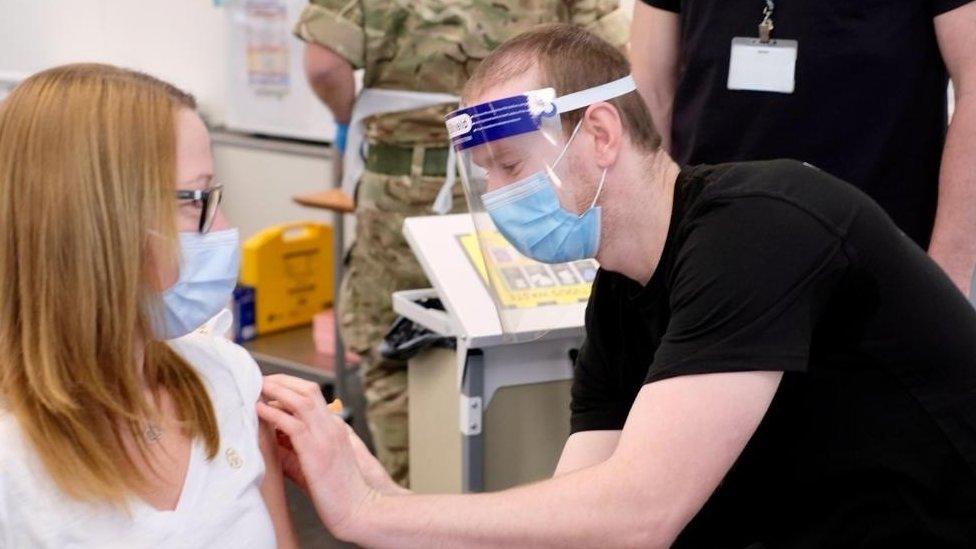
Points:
(769, 362)
(861, 94)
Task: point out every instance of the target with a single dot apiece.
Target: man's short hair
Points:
(568, 59)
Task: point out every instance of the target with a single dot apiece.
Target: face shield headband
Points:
(529, 211)
(493, 120)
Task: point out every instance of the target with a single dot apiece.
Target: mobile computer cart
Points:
(492, 413)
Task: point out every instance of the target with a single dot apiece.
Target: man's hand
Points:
(288, 460)
(372, 470)
(318, 454)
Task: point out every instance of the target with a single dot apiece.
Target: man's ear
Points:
(602, 123)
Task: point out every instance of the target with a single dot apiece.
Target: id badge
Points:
(758, 66)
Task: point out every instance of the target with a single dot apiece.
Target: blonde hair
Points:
(569, 59)
(87, 167)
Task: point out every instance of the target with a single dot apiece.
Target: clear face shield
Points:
(537, 232)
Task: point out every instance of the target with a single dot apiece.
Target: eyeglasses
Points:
(207, 200)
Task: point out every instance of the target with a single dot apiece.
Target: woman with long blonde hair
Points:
(121, 425)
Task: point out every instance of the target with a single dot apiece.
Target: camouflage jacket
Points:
(434, 45)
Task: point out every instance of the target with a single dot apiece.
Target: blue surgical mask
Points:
(208, 275)
(529, 215)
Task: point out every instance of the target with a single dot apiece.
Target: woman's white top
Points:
(221, 503)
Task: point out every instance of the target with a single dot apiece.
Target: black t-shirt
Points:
(869, 106)
(871, 437)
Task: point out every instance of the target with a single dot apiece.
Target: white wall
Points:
(182, 41)
(260, 185)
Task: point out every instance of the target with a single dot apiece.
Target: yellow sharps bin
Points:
(289, 267)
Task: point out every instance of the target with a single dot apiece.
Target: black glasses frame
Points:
(208, 200)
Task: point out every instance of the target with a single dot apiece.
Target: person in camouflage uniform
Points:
(425, 46)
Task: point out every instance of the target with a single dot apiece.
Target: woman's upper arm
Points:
(273, 489)
(247, 376)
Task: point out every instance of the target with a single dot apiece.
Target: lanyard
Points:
(766, 25)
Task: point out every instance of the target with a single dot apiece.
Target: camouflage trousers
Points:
(381, 263)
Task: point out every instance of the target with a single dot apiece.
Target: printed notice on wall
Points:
(266, 41)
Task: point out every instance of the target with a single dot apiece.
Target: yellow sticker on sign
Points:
(521, 283)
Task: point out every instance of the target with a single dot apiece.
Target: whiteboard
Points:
(267, 92)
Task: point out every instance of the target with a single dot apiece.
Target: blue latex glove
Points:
(340, 137)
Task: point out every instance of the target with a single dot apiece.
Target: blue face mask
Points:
(208, 275)
(530, 217)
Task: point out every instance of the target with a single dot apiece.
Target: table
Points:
(292, 352)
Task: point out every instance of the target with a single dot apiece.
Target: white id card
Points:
(769, 67)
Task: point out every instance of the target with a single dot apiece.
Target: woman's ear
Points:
(602, 121)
